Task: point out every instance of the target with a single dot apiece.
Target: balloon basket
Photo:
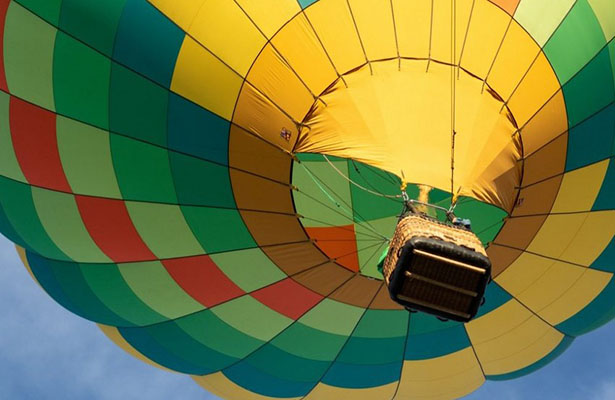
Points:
(437, 268)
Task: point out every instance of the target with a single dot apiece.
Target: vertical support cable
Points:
(454, 67)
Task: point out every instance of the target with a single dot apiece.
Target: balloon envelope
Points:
(213, 181)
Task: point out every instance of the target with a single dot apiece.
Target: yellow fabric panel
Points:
(441, 40)
(605, 12)
(275, 79)
(325, 392)
(550, 122)
(577, 297)
(114, 335)
(413, 23)
(182, 12)
(202, 78)
(590, 241)
(270, 15)
(576, 238)
(258, 115)
(333, 23)
(377, 119)
(556, 233)
(534, 91)
(514, 58)
(223, 28)
(524, 271)
(374, 21)
(451, 376)
(550, 286)
(485, 33)
(298, 44)
(221, 386)
(580, 188)
(22, 256)
(510, 338)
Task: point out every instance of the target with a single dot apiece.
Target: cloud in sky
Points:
(48, 353)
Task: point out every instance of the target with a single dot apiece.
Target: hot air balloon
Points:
(214, 181)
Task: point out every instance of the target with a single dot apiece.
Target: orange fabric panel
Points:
(383, 301)
(546, 162)
(338, 243)
(501, 258)
(538, 198)
(549, 122)
(507, 5)
(295, 258)
(324, 279)
(359, 291)
(518, 232)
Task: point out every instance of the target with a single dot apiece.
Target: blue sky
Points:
(48, 353)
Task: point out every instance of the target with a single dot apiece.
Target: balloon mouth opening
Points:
(399, 115)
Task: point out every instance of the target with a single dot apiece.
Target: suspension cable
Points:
(390, 196)
(454, 69)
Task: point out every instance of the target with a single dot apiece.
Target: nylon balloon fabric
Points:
(213, 181)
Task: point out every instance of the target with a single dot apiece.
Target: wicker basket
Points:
(436, 267)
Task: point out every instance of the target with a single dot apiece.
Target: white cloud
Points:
(605, 391)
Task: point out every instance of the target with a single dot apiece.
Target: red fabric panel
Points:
(4, 6)
(288, 298)
(33, 131)
(111, 228)
(201, 278)
(338, 243)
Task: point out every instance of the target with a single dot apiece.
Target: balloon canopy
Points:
(213, 181)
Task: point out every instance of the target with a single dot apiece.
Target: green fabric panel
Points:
(251, 317)
(484, 217)
(249, 269)
(108, 285)
(495, 297)
(593, 140)
(182, 345)
(151, 282)
(422, 323)
(313, 344)
(575, 42)
(28, 56)
(323, 196)
(61, 219)
(368, 206)
(163, 228)
(196, 131)
(7, 230)
(273, 361)
(245, 375)
(9, 166)
(199, 182)
(142, 170)
(606, 260)
(382, 324)
(218, 229)
(45, 277)
(591, 89)
(147, 41)
(606, 197)
(138, 107)
(369, 351)
(205, 327)
(71, 281)
(16, 200)
(86, 159)
(81, 82)
(333, 317)
(49, 10)
(435, 344)
(371, 243)
(92, 21)
(143, 340)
